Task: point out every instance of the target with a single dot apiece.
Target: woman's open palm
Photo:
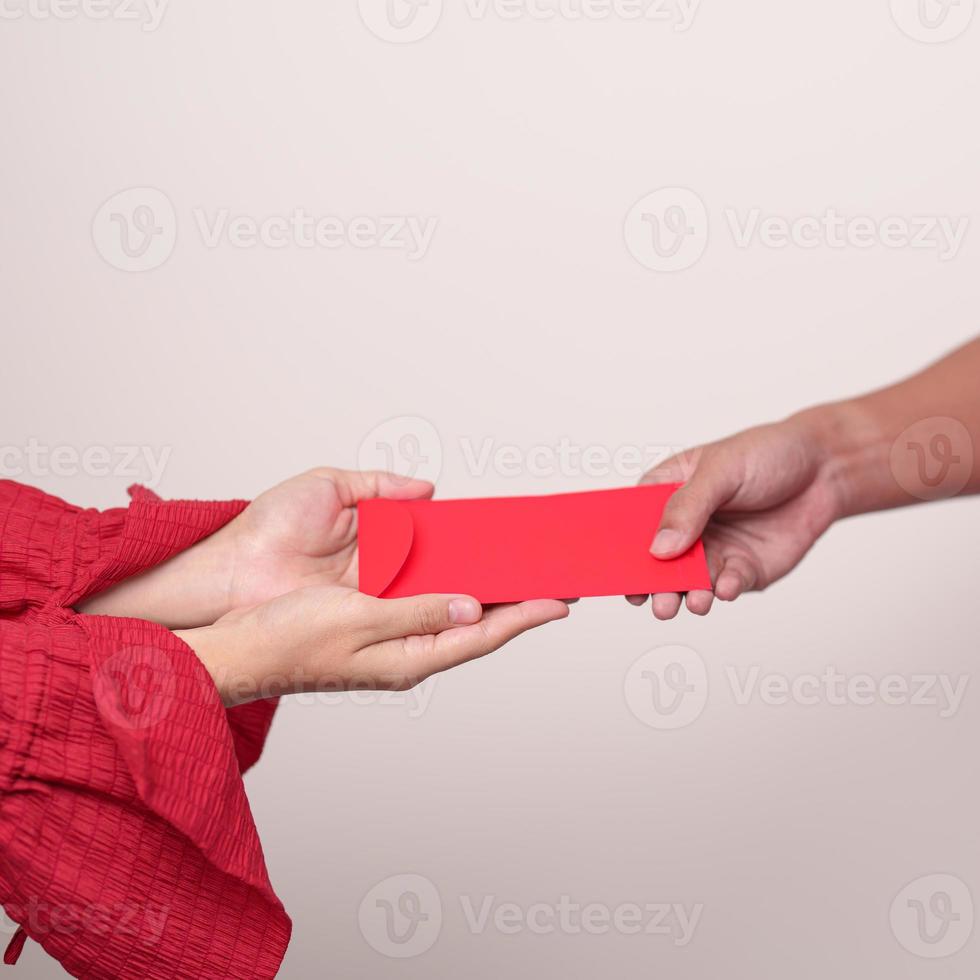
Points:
(303, 532)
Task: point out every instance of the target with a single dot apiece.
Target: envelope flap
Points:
(385, 531)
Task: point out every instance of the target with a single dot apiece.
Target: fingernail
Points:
(667, 542)
(464, 611)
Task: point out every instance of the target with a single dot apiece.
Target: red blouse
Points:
(127, 847)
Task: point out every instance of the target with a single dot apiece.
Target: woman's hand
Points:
(300, 533)
(304, 532)
(331, 638)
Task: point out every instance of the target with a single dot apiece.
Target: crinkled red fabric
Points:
(127, 847)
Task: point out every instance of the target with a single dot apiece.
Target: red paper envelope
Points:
(510, 549)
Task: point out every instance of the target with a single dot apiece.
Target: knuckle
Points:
(417, 656)
(426, 618)
(488, 641)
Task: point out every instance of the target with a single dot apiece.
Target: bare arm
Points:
(761, 498)
(910, 442)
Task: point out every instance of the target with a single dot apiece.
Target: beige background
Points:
(527, 322)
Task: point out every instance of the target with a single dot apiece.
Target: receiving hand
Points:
(304, 532)
(330, 638)
(300, 533)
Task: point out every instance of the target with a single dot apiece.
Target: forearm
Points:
(188, 590)
(905, 444)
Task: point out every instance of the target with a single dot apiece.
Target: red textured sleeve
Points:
(53, 553)
(39, 550)
(127, 847)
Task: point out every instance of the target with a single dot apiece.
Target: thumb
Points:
(356, 485)
(690, 508)
(423, 615)
(395, 487)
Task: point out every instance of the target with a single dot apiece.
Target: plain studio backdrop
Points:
(452, 247)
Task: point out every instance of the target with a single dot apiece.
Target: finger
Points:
(690, 508)
(500, 625)
(700, 601)
(355, 485)
(666, 605)
(714, 557)
(736, 576)
(424, 615)
(637, 600)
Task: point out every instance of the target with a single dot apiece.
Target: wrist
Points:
(234, 659)
(851, 450)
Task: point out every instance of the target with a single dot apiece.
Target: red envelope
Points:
(509, 549)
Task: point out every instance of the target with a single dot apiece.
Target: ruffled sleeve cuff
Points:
(116, 545)
(39, 533)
